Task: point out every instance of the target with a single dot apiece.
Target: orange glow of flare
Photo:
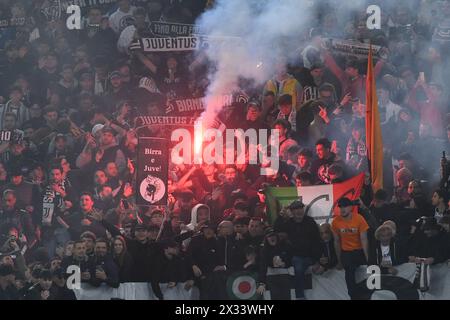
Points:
(198, 141)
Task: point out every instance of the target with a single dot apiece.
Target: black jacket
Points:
(436, 247)
(126, 268)
(143, 255)
(34, 293)
(205, 253)
(177, 269)
(268, 252)
(111, 269)
(397, 252)
(304, 236)
(232, 252)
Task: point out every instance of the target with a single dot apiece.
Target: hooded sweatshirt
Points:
(194, 221)
(194, 217)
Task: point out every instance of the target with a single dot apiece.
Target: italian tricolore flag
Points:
(320, 201)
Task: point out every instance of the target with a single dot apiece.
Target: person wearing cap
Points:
(303, 233)
(276, 268)
(184, 204)
(44, 290)
(311, 54)
(208, 265)
(173, 272)
(141, 248)
(107, 151)
(24, 190)
(253, 118)
(350, 242)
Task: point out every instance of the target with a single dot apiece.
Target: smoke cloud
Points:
(267, 30)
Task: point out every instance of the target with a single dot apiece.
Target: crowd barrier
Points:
(329, 286)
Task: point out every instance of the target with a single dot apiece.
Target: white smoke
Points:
(268, 30)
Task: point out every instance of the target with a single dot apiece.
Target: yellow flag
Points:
(374, 140)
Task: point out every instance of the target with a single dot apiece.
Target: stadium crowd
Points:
(67, 175)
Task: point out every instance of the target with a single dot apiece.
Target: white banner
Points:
(329, 286)
(182, 43)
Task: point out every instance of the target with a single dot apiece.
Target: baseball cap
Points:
(141, 227)
(97, 128)
(115, 74)
(297, 204)
(345, 202)
(108, 129)
(270, 232)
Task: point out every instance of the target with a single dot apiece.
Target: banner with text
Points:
(181, 43)
(152, 171)
(167, 29)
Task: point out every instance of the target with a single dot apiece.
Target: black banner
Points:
(167, 29)
(152, 171)
(353, 48)
(164, 121)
